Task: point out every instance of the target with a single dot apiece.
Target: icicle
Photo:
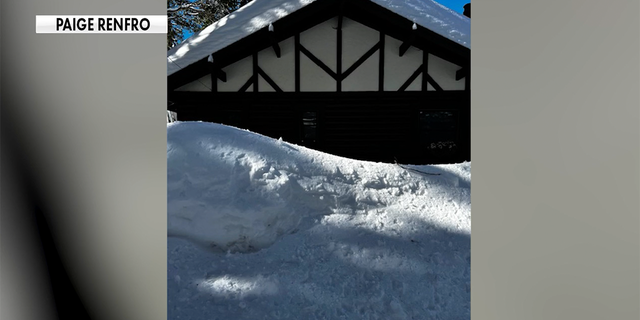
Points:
(270, 27)
(414, 27)
(210, 58)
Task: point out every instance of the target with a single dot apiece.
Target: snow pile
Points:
(263, 13)
(294, 233)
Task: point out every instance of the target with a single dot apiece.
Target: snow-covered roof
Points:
(258, 14)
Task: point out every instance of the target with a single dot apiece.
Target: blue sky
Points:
(455, 5)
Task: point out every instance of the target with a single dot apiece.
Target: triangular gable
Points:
(258, 14)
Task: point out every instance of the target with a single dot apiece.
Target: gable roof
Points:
(258, 14)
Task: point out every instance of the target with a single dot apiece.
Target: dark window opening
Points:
(309, 127)
(439, 131)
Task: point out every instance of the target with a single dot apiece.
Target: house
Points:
(379, 80)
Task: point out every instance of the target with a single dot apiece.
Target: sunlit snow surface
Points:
(260, 13)
(263, 229)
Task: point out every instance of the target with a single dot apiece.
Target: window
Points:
(309, 127)
(439, 130)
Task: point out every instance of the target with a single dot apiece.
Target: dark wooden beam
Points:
(221, 75)
(411, 79)
(407, 43)
(276, 47)
(246, 85)
(467, 83)
(339, 47)
(433, 82)
(184, 98)
(362, 11)
(297, 61)
(269, 80)
(425, 69)
(461, 73)
(340, 14)
(215, 70)
(339, 55)
(361, 60)
(404, 47)
(369, 14)
(214, 77)
(381, 63)
(274, 41)
(255, 72)
(318, 62)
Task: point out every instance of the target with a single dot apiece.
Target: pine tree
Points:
(194, 15)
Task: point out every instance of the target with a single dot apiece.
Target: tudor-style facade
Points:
(346, 77)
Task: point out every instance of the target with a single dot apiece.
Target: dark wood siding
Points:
(374, 126)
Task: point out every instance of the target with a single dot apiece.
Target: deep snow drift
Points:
(263, 229)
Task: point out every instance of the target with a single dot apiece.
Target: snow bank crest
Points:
(237, 191)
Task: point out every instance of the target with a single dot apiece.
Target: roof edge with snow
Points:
(435, 20)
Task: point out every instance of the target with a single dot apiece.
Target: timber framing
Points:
(432, 82)
(214, 77)
(461, 73)
(361, 11)
(412, 78)
(407, 43)
(425, 70)
(268, 80)
(216, 73)
(297, 61)
(246, 85)
(274, 44)
(318, 62)
(255, 71)
(361, 60)
(371, 125)
(381, 63)
(339, 76)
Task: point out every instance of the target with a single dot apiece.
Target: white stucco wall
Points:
(321, 42)
(398, 69)
(313, 78)
(444, 73)
(280, 70)
(357, 39)
(264, 86)
(237, 75)
(365, 77)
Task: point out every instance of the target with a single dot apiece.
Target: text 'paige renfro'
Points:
(102, 24)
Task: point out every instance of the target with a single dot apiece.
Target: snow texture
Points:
(263, 229)
(261, 13)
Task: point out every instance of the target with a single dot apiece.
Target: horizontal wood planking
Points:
(371, 126)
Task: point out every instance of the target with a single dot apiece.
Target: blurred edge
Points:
(25, 281)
